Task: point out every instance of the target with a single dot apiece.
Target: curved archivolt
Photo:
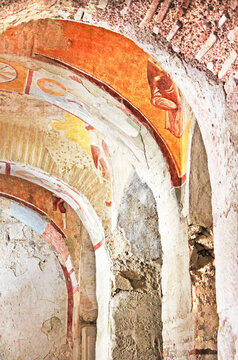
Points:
(77, 201)
(48, 230)
(143, 92)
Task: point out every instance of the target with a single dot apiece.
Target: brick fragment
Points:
(233, 4)
(233, 35)
(174, 30)
(182, 9)
(78, 15)
(155, 30)
(163, 10)
(126, 7)
(87, 17)
(222, 20)
(150, 12)
(227, 64)
(207, 46)
(102, 4)
(210, 65)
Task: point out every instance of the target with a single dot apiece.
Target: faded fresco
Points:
(165, 96)
(77, 201)
(148, 91)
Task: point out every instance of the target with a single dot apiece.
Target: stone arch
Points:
(41, 225)
(32, 216)
(208, 103)
(101, 257)
(181, 235)
(49, 231)
(72, 197)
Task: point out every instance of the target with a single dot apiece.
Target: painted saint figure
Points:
(165, 96)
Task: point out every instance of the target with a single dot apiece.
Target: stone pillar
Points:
(88, 342)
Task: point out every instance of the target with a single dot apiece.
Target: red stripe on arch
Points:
(70, 300)
(98, 245)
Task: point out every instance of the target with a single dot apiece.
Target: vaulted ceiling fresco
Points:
(98, 92)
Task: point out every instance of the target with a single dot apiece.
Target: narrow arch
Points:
(77, 201)
(39, 222)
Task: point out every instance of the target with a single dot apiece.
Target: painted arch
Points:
(147, 94)
(77, 201)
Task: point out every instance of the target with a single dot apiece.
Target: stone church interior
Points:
(118, 180)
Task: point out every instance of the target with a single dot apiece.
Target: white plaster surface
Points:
(177, 319)
(33, 296)
(103, 291)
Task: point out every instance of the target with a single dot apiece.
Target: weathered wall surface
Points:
(135, 307)
(200, 206)
(43, 200)
(202, 270)
(138, 220)
(88, 302)
(78, 244)
(201, 246)
(88, 308)
(33, 301)
(177, 318)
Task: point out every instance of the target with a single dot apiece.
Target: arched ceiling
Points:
(76, 200)
(114, 65)
(45, 227)
(203, 33)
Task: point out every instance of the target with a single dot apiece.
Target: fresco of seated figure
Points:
(165, 95)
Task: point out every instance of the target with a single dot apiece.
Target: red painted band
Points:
(29, 81)
(71, 271)
(57, 228)
(70, 300)
(23, 202)
(98, 245)
(8, 169)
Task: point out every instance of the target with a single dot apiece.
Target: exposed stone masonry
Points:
(202, 271)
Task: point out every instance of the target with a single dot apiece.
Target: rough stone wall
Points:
(33, 299)
(135, 306)
(202, 270)
(201, 246)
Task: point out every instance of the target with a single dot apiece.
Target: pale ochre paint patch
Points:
(184, 141)
(74, 131)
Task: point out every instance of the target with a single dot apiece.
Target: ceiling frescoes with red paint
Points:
(113, 87)
(77, 201)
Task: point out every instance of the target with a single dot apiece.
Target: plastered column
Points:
(218, 127)
(177, 318)
(88, 342)
(103, 291)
